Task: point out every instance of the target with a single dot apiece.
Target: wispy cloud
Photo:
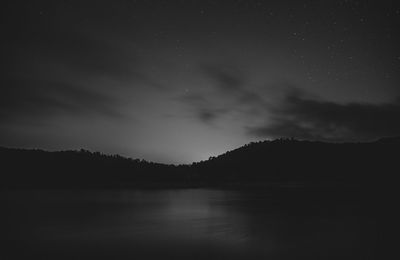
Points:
(232, 84)
(41, 99)
(229, 93)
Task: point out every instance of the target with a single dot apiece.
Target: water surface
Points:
(186, 224)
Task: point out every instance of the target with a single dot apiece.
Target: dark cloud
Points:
(203, 107)
(298, 114)
(40, 99)
(229, 94)
(227, 79)
(208, 115)
(65, 38)
(85, 56)
(305, 118)
(232, 84)
(62, 41)
(58, 63)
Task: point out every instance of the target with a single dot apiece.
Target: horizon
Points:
(285, 139)
(181, 81)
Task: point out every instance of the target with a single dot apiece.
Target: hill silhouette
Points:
(283, 161)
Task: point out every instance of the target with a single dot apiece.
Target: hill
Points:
(37, 168)
(289, 160)
(278, 161)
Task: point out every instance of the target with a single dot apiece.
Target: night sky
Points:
(179, 81)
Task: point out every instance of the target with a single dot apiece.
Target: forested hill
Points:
(82, 168)
(289, 160)
(282, 161)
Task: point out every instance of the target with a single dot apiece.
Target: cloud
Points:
(84, 49)
(63, 68)
(233, 85)
(229, 93)
(208, 116)
(226, 78)
(301, 117)
(40, 99)
(203, 107)
(292, 113)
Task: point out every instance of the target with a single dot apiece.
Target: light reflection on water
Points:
(195, 223)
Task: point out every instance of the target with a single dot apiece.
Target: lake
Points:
(187, 224)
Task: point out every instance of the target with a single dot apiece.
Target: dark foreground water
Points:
(187, 224)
